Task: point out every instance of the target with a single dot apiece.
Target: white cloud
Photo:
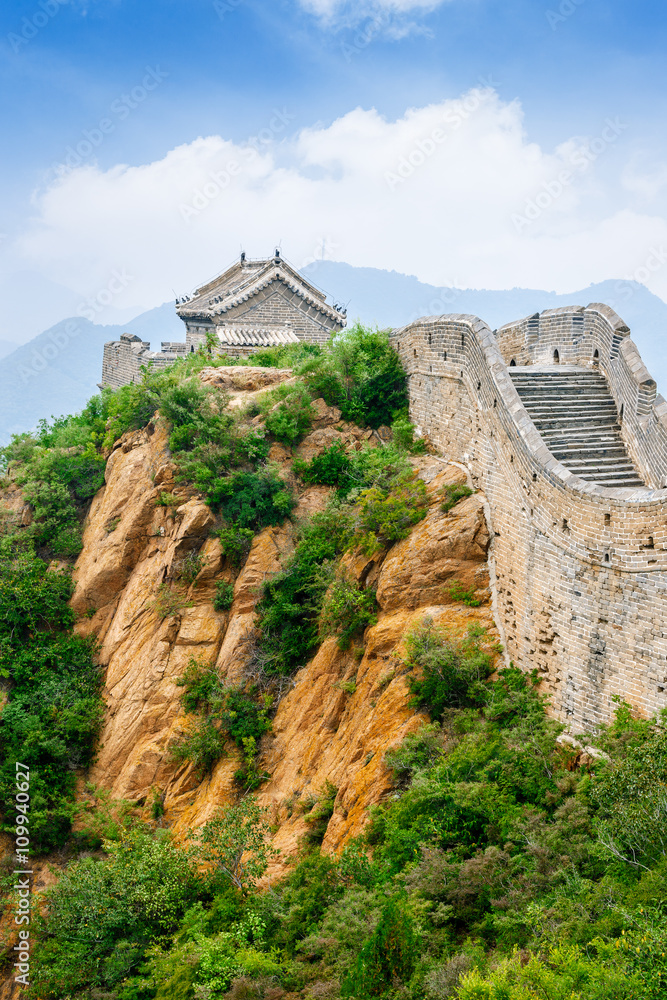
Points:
(333, 8)
(389, 16)
(453, 192)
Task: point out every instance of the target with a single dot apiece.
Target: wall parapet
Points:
(565, 548)
(123, 359)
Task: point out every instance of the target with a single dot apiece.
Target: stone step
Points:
(588, 422)
(565, 384)
(583, 438)
(584, 465)
(563, 399)
(576, 415)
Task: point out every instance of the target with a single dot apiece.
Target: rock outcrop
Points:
(343, 710)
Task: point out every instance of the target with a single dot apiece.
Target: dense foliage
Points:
(53, 714)
(362, 374)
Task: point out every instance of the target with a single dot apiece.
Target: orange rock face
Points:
(342, 711)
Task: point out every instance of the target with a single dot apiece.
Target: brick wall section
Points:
(581, 595)
(123, 359)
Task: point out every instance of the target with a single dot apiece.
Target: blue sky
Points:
(321, 89)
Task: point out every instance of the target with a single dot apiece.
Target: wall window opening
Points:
(556, 357)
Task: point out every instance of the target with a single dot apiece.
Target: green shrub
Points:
(417, 752)
(252, 500)
(347, 609)
(330, 468)
(235, 843)
(169, 500)
(452, 493)
(631, 796)
(245, 715)
(458, 592)
(451, 671)
(242, 715)
(288, 611)
(568, 973)
(201, 681)
(168, 602)
(130, 407)
(55, 513)
(202, 745)
(224, 595)
(388, 957)
(361, 374)
(236, 543)
(34, 602)
(384, 517)
(288, 356)
(53, 714)
(289, 419)
(103, 914)
(318, 817)
(403, 434)
(190, 566)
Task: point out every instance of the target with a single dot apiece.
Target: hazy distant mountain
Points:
(58, 371)
(392, 299)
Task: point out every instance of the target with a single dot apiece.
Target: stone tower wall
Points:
(581, 569)
(123, 359)
(270, 308)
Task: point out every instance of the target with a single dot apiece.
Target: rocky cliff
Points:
(341, 712)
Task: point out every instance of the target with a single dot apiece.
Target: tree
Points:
(236, 844)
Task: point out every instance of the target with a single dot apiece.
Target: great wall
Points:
(580, 566)
(558, 423)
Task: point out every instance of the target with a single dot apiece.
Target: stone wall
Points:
(123, 359)
(581, 569)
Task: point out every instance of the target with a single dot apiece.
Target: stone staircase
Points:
(576, 415)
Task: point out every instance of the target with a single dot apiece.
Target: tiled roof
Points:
(246, 279)
(245, 336)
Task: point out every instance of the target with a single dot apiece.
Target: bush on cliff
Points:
(378, 503)
(362, 375)
(238, 713)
